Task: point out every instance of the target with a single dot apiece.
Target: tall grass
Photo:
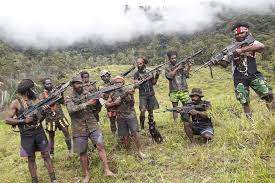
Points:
(242, 150)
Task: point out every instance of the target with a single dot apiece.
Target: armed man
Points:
(245, 72)
(91, 87)
(55, 118)
(147, 99)
(85, 126)
(105, 75)
(32, 134)
(177, 76)
(197, 120)
(127, 122)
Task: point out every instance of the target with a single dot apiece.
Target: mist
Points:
(48, 24)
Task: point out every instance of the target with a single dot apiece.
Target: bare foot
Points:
(109, 173)
(193, 144)
(141, 155)
(86, 179)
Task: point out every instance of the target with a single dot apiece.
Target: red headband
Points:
(239, 30)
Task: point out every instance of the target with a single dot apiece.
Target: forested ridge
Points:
(17, 62)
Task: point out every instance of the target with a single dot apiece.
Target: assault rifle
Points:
(34, 110)
(124, 74)
(187, 59)
(186, 108)
(149, 75)
(229, 51)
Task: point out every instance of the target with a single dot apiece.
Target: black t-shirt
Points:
(197, 120)
(244, 66)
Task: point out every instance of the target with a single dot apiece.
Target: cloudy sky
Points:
(56, 23)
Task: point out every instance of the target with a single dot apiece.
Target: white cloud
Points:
(53, 23)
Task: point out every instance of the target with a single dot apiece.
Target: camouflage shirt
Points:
(177, 82)
(55, 112)
(82, 116)
(90, 87)
(145, 88)
(126, 107)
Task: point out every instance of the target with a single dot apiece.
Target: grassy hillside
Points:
(241, 151)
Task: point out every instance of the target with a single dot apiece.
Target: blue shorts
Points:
(80, 143)
(200, 131)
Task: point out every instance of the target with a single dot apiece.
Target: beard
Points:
(140, 68)
(79, 90)
(48, 88)
(31, 94)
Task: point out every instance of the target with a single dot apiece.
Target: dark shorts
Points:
(126, 126)
(32, 143)
(257, 83)
(201, 130)
(148, 103)
(80, 143)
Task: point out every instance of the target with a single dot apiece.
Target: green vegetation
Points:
(241, 151)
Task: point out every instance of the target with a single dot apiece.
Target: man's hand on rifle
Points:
(193, 112)
(92, 102)
(28, 119)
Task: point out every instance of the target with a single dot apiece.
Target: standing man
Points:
(127, 122)
(147, 99)
(85, 126)
(32, 134)
(111, 111)
(55, 118)
(177, 75)
(245, 72)
(198, 121)
(91, 87)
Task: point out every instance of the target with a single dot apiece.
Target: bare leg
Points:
(142, 119)
(48, 164)
(66, 134)
(32, 168)
(84, 160)
(207, 136)
(247, 110)
(189, 132)
(175, 114)
(102, 155)
(113, 124)
(51, 143)
(138, 144)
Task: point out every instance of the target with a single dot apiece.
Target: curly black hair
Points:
(24, 86)
(240, 24)
(170, 53)
(84, 72)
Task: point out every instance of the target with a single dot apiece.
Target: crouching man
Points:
(198, 121)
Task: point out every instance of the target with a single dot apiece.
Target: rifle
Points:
(186, 108)
(229, 51)
(155, 134)
(187, 59)
(34, 110)
(124, 74)
(148, 75)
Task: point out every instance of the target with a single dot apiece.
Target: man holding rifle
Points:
(177, 76)
(85, 126)
(147, 99)
(32, 134)
(245, 72)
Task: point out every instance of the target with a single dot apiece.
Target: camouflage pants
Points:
(258, 84)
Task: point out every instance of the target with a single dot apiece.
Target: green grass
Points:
(242, 151)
